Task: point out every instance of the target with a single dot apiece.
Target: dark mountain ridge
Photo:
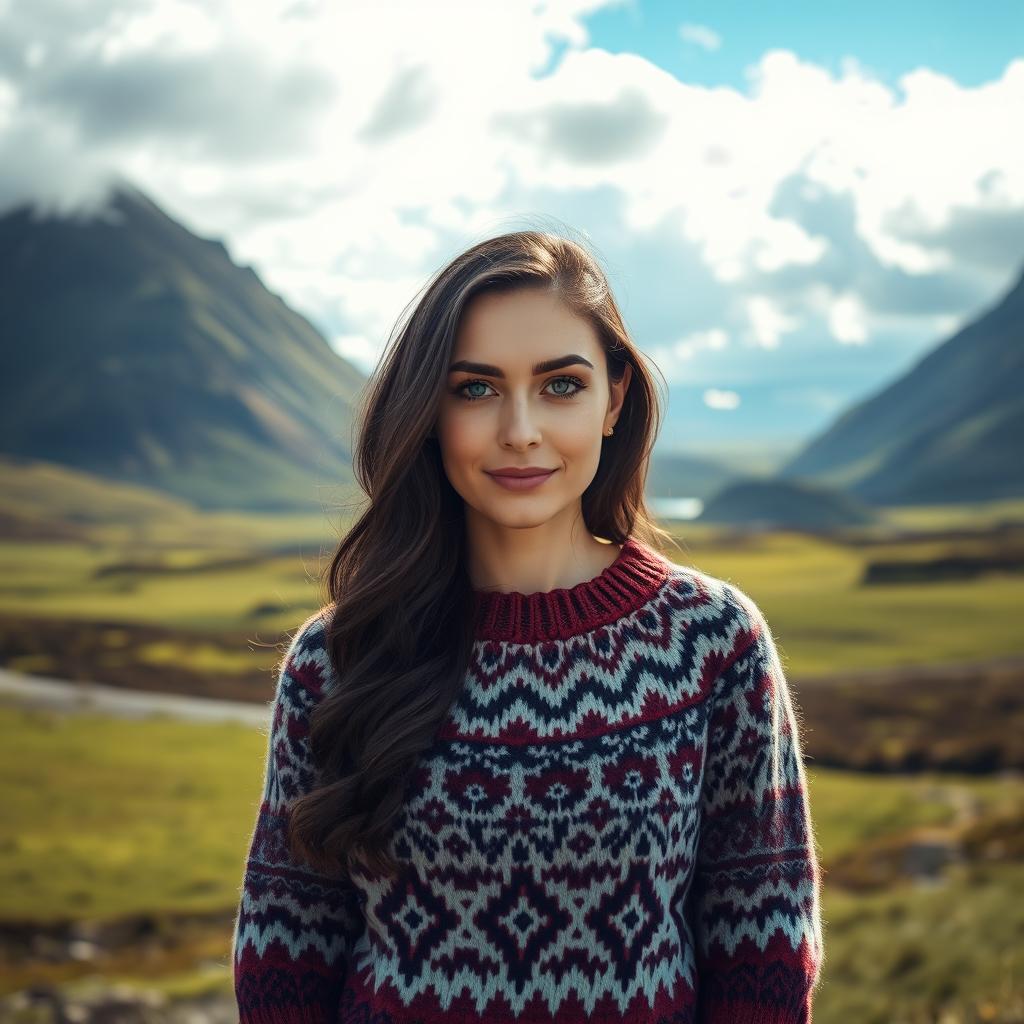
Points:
(948, 430)
(138, 351)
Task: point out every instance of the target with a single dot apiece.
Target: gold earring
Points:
(609, 432)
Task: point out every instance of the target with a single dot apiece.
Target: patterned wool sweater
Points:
(612, 825)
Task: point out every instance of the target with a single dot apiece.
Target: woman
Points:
(522, 766)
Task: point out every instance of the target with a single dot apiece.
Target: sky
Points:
(793, 202)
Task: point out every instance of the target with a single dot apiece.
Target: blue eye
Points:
(469, 384)
(579, 386)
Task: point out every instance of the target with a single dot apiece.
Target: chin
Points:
(532, 512)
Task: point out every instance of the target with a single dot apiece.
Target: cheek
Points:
(460, 439)
(578, 436)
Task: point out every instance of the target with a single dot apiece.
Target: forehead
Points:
(517, 328)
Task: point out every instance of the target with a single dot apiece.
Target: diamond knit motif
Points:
(612, 825)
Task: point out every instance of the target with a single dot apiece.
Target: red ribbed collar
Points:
(629, 582)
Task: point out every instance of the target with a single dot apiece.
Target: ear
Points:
(618, 394)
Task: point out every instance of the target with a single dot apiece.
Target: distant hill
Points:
(45, 501)
(678, 475)
(138, 351)
(774, 504)
(48, 501)
(949, 430)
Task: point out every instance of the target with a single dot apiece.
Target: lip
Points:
(525, 471)
(521, 480)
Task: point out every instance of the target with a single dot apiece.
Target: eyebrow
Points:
(543, 367)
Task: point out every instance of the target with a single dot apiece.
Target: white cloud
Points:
(175, 26)
(357, 349)
(948, 324)
(768, 321)
(688, 347)
(674, 360)
(717, 398)
(346, 150)
(784, 243)
(701, 35)
(846, 319)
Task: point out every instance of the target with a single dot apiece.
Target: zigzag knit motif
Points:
(612, 825)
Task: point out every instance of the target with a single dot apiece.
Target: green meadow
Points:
(824, 617)
(139, 828)
(149, 821)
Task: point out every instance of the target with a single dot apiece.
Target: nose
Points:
(519, 426)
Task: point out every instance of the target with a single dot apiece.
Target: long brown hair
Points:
(400, 620)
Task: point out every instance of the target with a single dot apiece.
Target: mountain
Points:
(775, 504)
(949, 430)
(681, 475)
(138, 351)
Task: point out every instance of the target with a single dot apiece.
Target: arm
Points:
(295, 928)
(756, 888)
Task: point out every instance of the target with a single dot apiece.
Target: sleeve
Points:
(295, 928)
(755, 907)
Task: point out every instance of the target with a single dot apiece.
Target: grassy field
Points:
(144, 824)
(149, 820)
(824, 617)
(826, 620)
(210, 620)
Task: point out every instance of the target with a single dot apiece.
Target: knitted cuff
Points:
(738, 1011)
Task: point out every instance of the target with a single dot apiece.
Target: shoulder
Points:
(305, 671)
(728, 629)
(716, 618)
(725, 607)
(310, 636)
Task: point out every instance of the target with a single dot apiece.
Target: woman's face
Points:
(508, 410)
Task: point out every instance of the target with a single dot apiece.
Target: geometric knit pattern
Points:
(612, 825)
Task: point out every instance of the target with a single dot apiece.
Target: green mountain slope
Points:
(778, 504)
(138, 351)
(949, 430)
